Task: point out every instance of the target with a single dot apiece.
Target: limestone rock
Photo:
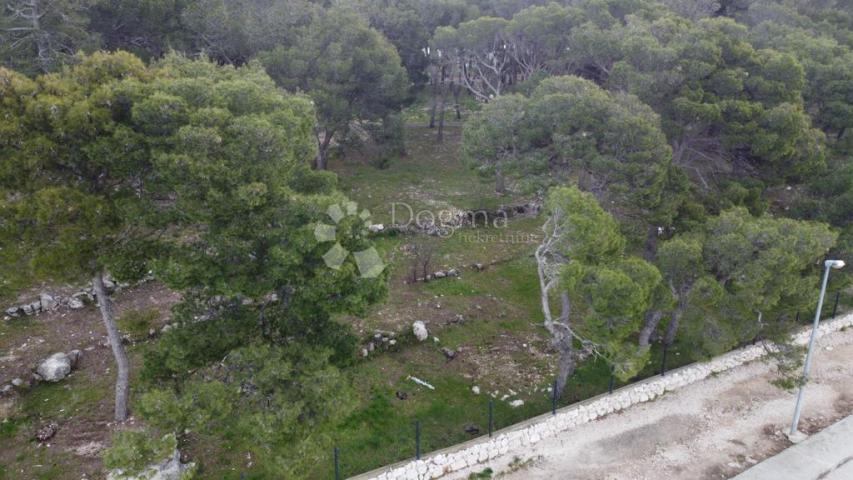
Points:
(75, 303)
(420, 331)
(55, 368)
(48, 302)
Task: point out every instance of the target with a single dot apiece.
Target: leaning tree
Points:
(75, 182)
(603, 294)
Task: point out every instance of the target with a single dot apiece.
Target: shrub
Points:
(133, 450)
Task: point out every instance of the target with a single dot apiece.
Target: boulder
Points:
(169, 469)
(55, 368)
(420, 331)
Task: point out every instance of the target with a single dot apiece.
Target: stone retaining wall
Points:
(483, 449)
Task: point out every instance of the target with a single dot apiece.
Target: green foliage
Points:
(133, 450)
(349, 70)
(570, 129)
(274, 402)
(720, 97)
(610, 292)
(592, 235)
(69, 197)
(484, 474)
(743, 276)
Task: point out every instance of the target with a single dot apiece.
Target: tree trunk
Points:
(500, 183)
(122, 364)
(651, 247)
(434, 103)
(322, 150)
(566, 363)
(442, 99)
(649, 326)
(672, 329)
(457, 89)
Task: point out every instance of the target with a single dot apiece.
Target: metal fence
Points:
(554, 401)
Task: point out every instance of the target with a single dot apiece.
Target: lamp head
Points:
(836, 264)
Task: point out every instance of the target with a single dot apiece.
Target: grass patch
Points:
(137, 323)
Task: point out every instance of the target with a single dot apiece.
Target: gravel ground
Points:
(709, 430)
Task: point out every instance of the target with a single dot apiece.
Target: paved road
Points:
(826, 455)
(713, 429)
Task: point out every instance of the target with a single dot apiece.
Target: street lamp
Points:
(829, 264)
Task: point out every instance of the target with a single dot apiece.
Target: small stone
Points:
(475, 389)
(439, 274)
(376, 228)
(46, 432)
(516, 403)
(448, 353)
(17, 382)
(75, 303)
(364, 352)
(392, 342)
(420, 331)
(401, 395)
(472, 429)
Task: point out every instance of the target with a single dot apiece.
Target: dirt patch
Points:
(81, 406)
(25, 341)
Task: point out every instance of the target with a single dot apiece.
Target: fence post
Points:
(417, 440)
(612, 379)
(554, 399)
(337, 464)
(491, 416)
(835, 307)
(663, 360)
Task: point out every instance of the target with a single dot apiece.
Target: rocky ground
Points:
(710, 430)
(57, 430)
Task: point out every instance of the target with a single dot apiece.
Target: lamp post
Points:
(829, 264)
